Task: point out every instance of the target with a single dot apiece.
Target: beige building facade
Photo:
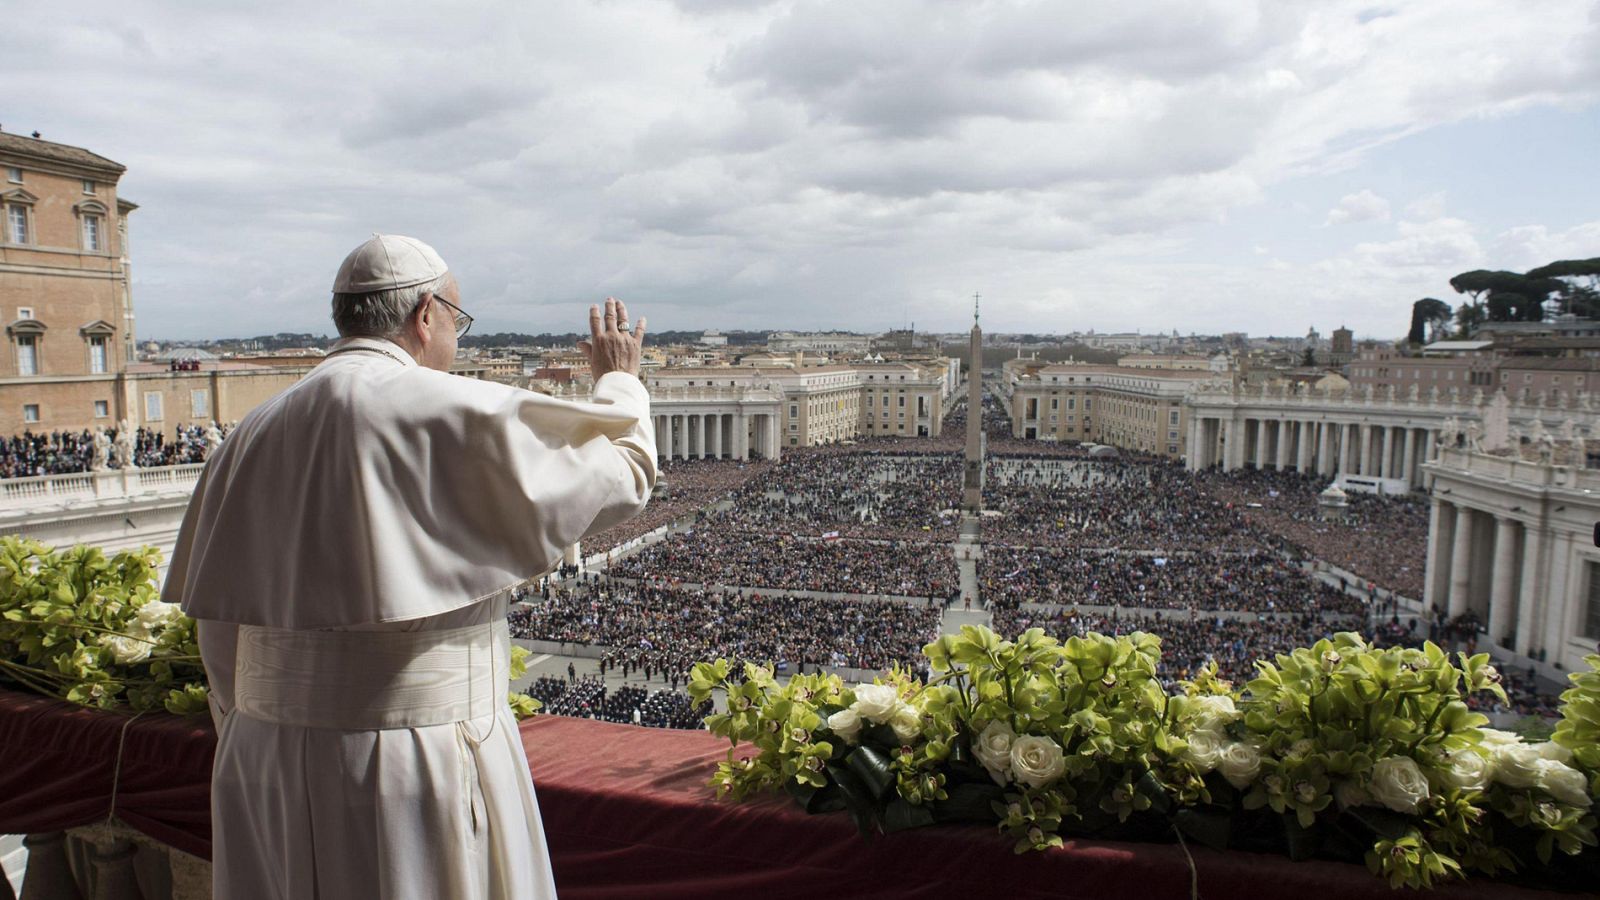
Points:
(64, 286)
(1510, 540)
(837, 402)
(1123, 406)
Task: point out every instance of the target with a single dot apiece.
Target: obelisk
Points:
(972, 493)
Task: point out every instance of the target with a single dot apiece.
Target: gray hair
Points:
(381, 314)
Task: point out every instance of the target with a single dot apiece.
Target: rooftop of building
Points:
(38, 148)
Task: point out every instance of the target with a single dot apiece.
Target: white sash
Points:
(369, 680)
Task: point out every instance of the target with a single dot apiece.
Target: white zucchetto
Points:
(385, 262)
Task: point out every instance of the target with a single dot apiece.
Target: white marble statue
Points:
(1474, 437)
(102, 450)
(1449, 431)
(213, 437)
(125, 445)
(1497, 423)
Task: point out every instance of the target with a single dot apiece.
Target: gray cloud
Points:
(799, 163)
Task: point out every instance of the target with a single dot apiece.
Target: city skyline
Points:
(1249, 169)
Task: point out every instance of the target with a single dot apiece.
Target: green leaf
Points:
(900, 816)
(875, 770)
(1210, 827)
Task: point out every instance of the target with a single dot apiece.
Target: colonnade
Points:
(1323, 447)
(716, 436)
(1490, 564)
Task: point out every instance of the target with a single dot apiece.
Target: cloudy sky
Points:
(1198, 165)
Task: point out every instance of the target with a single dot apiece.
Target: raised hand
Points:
(611, 348)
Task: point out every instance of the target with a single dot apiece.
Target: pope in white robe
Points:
(347, 553)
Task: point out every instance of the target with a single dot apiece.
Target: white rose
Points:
(126, 650)
(1203, 750)
(1215, 705)
(1564, 783)
(1398, 783)
(1467, 770)
(1553, 750)
(846, 724)
(1494, 737)
(906, 722)
(876, 702)
(157, 614)
(1240, 763)
(1516, 765)
(1036, 761)
(1213, 712)
(993, 749)
(1350, 793)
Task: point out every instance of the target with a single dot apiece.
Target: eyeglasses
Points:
(462, 321)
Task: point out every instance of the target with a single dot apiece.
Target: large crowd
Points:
(685, 487)
(661, 631)
(589, 698)
(1260, 581)
(68, 452)
(730, 557)
(1384, 539)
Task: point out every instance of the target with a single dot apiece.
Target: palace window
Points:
(30, 412)
(13, 174)
(17, 223)
(91, 216)
(88, 186)
(97, 355)
(102, 409)
(152, 406)
(199, 404)
(27, 355)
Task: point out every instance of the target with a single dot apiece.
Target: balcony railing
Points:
(109, 484)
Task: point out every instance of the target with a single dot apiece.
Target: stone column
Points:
(1364, 463)
(1408, 463)
(1325, 450)
(1500, 599)
(1385, 467)
(716, 436)
(1285, 438)
(1441, 534)
(667, 441)
(1560, 596)
(1528, 601)
(1233, 452)
(1191, 456)
(1461, 563)
(1306, 431)
(1261, 444)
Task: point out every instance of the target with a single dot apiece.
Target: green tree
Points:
(1308, 358)
(1506, 296)
(1579, 293)
(1425, 313)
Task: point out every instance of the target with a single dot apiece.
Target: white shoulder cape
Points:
(376, 490)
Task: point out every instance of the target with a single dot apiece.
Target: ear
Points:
(422, 322)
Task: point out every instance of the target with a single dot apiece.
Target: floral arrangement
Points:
(79, 626)
(89, 629)
(1340, 750)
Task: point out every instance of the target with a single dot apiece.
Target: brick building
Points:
(64, 294)
(67, 360)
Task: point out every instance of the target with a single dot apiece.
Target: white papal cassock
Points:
(345, 552)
